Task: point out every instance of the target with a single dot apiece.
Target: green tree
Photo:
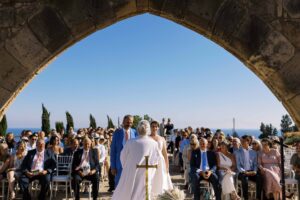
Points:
(148, 118)
(136, 120)
(235, 134)
(275, 132)
(93, 123)
(3, 126)
(59, 126)
(110, 123)
(295, 128)
(45, 120)
(70, 122)
(286, 124)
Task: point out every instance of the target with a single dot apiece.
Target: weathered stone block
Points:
(229, 19)
(102, 12)
(4, 97)
(50, 29)
(292, 7)
(76, 15)
(142, 5)
(12, 73)
(124, 8)
(7, 17)
(155, 6)
(200, 13)
(24, 12)
(290, 29)
(276, 50)
(174, 8)
(267, 10)
(26, 48)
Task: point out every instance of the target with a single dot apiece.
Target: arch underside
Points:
(264, 35)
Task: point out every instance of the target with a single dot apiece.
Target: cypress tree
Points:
(70, 122)
(110, 123)
(59, 126)
(136, 120)
(93, 123)
(3, 126)
(286, 124)
(45, 120)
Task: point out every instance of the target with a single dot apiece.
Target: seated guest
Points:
(38, 164)
(203, 167)
(295, 162)
(74, 147)
(226, 167)
(10, 141)
(4, 160)
(14, 171)
(54, 145)
(256, 146)
(85, 165)
(32, 142)
(269, 165)
(246, 160)
(235, 145)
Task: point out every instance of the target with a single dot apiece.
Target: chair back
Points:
(63, 164)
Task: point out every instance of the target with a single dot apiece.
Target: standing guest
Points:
(54, 145)
(14, 171)
(246, 160)
(120, 137)
(99, 140)
(41, 135)
(10, 141)
(184, 141)
(226, 167)
(162, 129)
(235, 145)
(38, 164)
(295, 162)
(186, 156)
(203, 167)
(169, 126)
(269, 165)
(85, 165)
(32, 142)
(73, 147)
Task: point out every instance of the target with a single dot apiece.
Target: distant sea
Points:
(240, 132)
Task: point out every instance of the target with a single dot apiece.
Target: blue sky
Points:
(147, 65)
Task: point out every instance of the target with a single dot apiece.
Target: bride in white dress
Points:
(166, 183)
(226, 166)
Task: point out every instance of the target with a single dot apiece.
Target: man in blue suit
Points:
(203, 167)
(246, 161)
(120, 137)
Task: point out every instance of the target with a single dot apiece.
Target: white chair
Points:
(251, 188)
(291, 183)
(3, 183)
(206, 186)
(62, 175)
(87, 183)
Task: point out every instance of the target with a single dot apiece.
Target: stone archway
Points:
(264, 35)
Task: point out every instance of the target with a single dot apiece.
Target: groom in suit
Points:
(246, 161)
(120, 137)
(203, 167)
(38, 164)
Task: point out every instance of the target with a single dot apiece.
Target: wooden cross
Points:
(146, 166)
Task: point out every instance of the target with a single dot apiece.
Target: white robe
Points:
(132, 182)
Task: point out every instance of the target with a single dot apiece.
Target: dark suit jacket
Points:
(93, 160)
(69, 151)
(49, 161)
(196, 160)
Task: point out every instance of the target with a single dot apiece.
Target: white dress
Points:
(132, 182)
(226, 178)
(162, 176)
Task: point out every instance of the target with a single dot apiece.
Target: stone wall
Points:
(264, 35)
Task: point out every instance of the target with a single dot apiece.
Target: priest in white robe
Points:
(132, 184)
